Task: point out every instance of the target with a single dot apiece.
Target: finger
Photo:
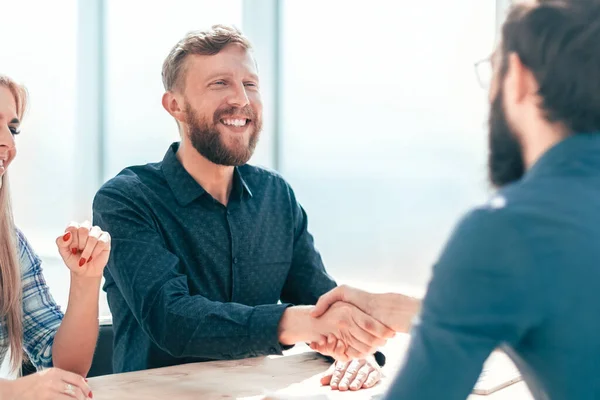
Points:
(331, 344)
(326, 378)
(326, 301)
(319, 349)
(361, 376)
(77, 381)
(64, 391)
(339, 352)
(338, 373)
(350, 374)
(353, 354)
(102, 246)
(328, 348)
(361, 341)
(63, 242)
(372, 380)
(73, 228)
(322, 341)
(83, 233)
(64, 396)
(372, 326)
(90, 246)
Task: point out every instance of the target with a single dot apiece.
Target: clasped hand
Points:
(345, 333)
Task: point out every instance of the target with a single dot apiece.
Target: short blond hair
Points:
(209, 42)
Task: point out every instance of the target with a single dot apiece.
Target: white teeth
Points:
(235, 122)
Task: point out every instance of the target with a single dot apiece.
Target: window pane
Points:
(139, 36)
(383, 127)
(40, 52)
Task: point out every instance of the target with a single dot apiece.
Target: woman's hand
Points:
(84, 249)
(50, 384)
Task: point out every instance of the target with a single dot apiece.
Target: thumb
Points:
(63, 243)
(326, 301)
(326, 378)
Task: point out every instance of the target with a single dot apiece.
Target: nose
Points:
(239, 97)
(7, 140)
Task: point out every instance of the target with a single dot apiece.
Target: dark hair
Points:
(559, 42)
(209, 42)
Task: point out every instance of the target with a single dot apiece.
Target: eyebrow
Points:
(227, 75)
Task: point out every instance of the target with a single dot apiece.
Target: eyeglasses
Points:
(484, 72)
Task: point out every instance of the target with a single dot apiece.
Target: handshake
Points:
(348, 323)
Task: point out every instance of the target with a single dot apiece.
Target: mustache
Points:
(245, 111)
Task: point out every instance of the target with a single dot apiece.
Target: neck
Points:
(546, 136)
(217, 180)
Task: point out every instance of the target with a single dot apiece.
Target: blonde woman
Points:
(60, 346)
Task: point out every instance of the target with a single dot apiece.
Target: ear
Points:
(519, 83)
(173, 103)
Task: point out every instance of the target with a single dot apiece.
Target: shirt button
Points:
(235, 260)
(228, 212)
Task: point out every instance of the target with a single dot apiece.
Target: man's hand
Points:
(359, 334)
(353, 375)
(391, 309)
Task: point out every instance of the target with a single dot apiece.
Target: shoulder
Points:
(488, 237)
(131, 177)
(130, 183)
(502, 210)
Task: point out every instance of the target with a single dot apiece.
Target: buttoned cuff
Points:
(264, 328)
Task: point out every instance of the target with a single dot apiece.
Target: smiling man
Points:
(205, 245)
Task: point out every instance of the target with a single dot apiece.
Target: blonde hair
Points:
(206, 43)
(11, 311)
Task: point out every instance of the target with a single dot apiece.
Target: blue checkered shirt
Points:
(41, 315)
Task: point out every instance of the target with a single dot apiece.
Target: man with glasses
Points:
(523, 271)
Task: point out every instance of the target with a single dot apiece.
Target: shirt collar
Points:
(185, 188)
(582, 149)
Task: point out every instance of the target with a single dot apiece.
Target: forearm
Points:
(75, 341)
(397, 311)
(5, 389)
(193, 326)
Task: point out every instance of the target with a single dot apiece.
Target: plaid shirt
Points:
(41, 315)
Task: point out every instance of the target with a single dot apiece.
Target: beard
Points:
(505, 161)
(209, 141)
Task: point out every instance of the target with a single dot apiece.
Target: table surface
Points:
(294, 375)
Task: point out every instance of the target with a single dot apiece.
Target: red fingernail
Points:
(85, 379)
(67, 236)
(90, 259)
(81, 261)
(74, 251)
(91, 395)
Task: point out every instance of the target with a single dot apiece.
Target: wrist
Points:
(84, 287)
(85, 282)
(296, 325)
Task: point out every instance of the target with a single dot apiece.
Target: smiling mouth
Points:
(235, 122)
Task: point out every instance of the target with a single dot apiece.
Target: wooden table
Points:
(294, 375)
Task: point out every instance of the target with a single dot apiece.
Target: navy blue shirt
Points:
(522, 273)
(192, 280)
